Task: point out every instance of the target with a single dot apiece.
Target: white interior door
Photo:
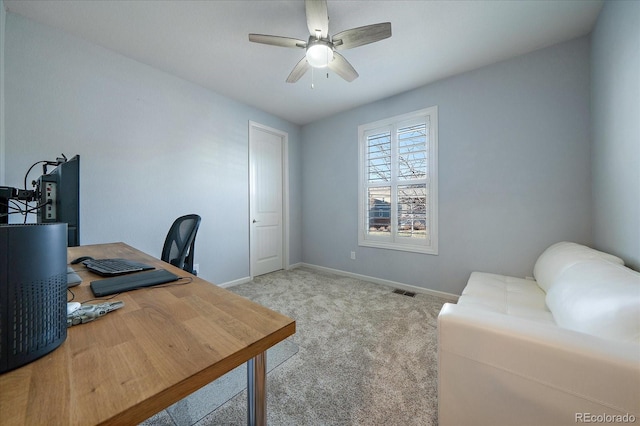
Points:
(266, 169)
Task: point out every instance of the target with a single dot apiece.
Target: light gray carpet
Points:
(366, 356)
(196, 406)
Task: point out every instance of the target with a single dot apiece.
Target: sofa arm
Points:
(494, 369)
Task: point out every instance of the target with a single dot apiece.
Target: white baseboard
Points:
(235, 282)
(388, 283)
(295, 265)
(247, 279)
(407, 287)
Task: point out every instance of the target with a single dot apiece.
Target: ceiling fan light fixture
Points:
(321, 50)
(319, 55)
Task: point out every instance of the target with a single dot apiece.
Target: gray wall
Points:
(152, 146)
(515, 163)
(615, 83)
(514, 172)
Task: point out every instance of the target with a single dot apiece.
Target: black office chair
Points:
(180, 242)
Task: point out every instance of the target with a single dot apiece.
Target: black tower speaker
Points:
(33, 287)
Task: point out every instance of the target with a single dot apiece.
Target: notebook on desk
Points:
(131, 282)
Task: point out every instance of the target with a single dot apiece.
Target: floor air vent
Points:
(404, 293)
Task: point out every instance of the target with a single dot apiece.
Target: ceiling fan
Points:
(321, 49)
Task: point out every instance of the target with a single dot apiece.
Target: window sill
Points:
(398, 246)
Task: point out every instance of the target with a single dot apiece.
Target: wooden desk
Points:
(165, 343)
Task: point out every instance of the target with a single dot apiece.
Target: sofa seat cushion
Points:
(507, 295)
(598, 297)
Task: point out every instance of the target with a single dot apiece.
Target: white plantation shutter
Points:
(398, 182)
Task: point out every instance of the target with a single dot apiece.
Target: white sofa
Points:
(562, 349)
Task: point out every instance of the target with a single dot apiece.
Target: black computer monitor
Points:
(60, 198)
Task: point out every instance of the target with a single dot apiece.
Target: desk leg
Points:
(256, 390)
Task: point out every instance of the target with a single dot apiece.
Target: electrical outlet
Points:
(353, 255)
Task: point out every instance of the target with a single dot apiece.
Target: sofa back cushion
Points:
(560, 256)
(597, 297)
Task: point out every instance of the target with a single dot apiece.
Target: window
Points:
(398, 192)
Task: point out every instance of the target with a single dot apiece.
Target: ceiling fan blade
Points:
(277, 40)
(317, 17)
(299, 70)
(362, 35)
(342, 67)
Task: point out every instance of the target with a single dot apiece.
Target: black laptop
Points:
(113, 267)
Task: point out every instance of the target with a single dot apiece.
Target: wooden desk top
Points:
(165, 343)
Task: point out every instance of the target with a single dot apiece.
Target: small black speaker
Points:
(33, 287)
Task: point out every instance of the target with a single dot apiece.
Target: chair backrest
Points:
(180, 242)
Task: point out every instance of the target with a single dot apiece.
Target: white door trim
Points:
(285, 194)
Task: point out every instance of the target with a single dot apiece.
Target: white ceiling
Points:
(206, 42)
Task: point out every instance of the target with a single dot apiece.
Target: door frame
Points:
(284, 137)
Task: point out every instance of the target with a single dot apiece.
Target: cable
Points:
(26, 211)
(29, 210)
(102, 298)
(26, 195)
(15, 205)
(190, 280)
(28, 171)
(47, 163)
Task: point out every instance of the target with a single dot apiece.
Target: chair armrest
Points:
(509, 370)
